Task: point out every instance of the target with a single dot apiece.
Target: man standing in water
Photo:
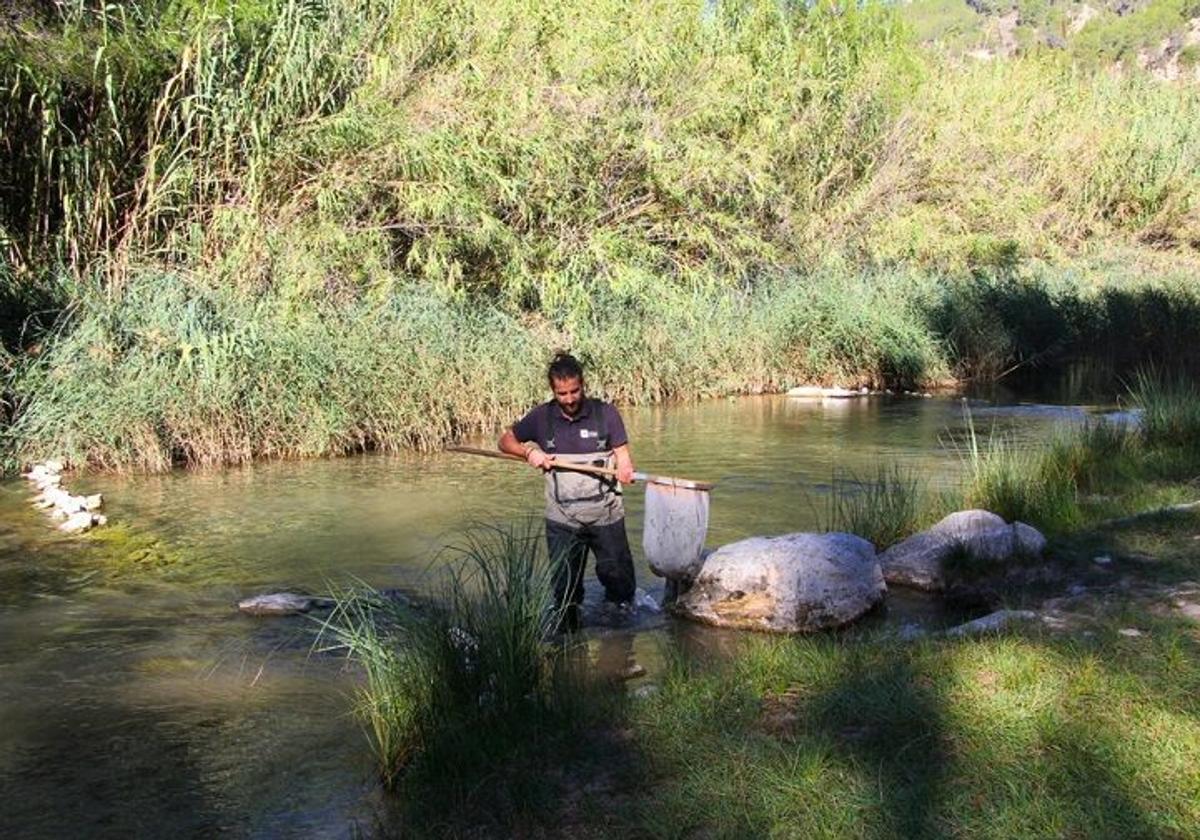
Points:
(583, 512)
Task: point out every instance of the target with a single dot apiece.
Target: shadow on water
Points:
(61, 787)
(1042, 338)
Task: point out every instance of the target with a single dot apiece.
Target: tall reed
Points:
(1019, 481)
(459, 683)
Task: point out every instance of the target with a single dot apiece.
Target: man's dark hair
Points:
(564, 366)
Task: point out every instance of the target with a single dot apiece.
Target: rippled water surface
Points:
(136, 701)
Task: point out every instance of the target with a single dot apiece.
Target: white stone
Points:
(841, 393)
(1131, 632)
(788, 584)
(77, 523)
(93, 502)
(809, 391)
(963, 523)
(48, 481)
(817, 392)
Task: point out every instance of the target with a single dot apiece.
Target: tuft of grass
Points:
(1019, 482)
(470, 681)
(884, 508)
(1170, 407)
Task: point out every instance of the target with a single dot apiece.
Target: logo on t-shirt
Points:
(587, 433)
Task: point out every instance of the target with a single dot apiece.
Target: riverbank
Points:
(171, 371)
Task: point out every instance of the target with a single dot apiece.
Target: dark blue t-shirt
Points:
(553, 431)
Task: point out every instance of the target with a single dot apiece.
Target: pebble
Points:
(1102, 560)
(1131, 632)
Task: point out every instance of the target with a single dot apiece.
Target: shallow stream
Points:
(136, 701)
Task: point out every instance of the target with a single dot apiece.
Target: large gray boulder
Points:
(919, 561)
(794, 583)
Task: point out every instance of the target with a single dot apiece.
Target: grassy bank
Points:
(222, 213)
(172, 371)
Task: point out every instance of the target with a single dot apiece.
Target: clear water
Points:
(135, 700)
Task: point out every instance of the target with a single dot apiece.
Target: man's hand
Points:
(539, 459)
(528, 450)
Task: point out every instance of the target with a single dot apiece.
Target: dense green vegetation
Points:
(284, 228)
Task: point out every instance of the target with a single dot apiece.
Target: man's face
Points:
(568, 393)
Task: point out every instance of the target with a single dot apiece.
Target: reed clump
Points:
(1170, 406)
(473, 678)
(1048, 484)
(884, 508)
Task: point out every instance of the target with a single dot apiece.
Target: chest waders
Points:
(572, 498)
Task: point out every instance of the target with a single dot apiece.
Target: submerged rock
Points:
(993, 623)
(919, 561)
(281, 603)
(788, 584)
(80, 521)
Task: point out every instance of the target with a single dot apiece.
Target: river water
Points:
(136, 701)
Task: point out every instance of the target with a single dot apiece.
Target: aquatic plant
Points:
(883, 508)
(1019, 480)
(1170, 406)
(471, 676)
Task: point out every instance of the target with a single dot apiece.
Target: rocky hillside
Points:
(1162, 36)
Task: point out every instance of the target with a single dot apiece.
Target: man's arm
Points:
(624, 463)
(529, 450)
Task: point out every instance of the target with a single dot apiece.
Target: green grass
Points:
(1170, 408)
(472, 680)
(171, 372)
(1017, 736)
(1022, 481)
(883, 508)
(1084, 472)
